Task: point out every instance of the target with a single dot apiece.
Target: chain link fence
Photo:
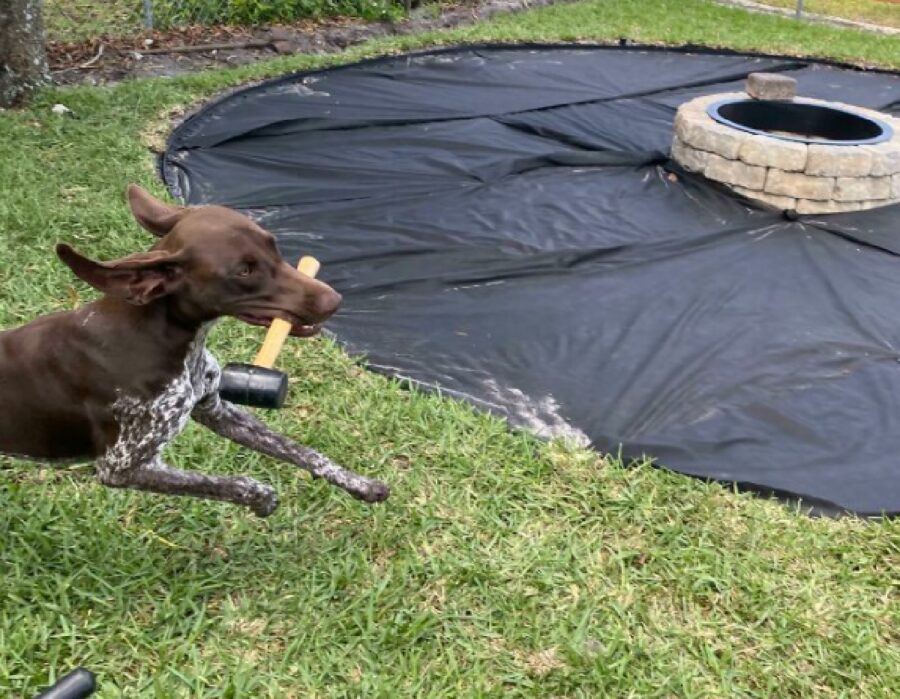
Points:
(79, 20)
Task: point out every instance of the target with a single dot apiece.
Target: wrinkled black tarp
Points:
(504, 225)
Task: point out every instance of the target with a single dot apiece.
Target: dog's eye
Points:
(245, 270)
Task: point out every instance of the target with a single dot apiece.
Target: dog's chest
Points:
(145, 426)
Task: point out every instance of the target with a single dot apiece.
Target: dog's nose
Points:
(327, 302)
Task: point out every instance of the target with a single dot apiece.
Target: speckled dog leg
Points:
(158, 477)
(235, 424)
(147, 426)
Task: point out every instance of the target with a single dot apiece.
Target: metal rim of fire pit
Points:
(762, 117)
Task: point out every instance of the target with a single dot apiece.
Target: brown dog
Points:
(117, 379)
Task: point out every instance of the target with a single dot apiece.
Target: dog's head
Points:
(209, 261)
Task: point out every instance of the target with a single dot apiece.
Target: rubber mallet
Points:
(259, 385)
(78, 684)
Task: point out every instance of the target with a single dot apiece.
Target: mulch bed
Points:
(107, 58)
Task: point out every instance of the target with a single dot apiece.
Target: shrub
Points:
(250, 12)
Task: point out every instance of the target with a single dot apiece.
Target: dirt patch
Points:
(533, 662)
(107, 59)
(156, 134)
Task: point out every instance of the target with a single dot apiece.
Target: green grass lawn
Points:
(884, 12)
(501, 566)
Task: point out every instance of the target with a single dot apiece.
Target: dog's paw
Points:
(265, 505)
(262, 500)
(376, 492)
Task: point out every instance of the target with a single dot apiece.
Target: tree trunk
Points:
(23, 58)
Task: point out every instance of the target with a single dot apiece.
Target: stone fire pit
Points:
(806, 155)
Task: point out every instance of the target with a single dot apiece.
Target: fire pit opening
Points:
(799, 121)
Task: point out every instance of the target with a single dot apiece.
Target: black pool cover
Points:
(505, 225)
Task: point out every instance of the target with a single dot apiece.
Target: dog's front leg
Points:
(241, 427)
(158, 477)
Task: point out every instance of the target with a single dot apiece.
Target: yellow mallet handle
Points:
(280, 329)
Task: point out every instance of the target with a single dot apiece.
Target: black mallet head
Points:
(254, 386)
(257, 384)
(78, 684)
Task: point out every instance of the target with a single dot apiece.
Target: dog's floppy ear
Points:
(138, 278)
(154, 215)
